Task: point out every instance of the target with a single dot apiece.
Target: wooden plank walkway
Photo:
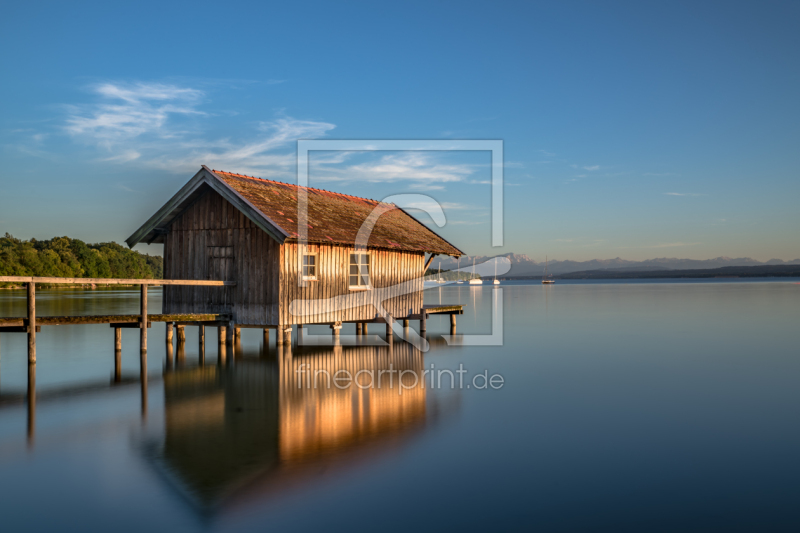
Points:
(108, 319)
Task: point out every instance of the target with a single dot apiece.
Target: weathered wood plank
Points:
(113, 281)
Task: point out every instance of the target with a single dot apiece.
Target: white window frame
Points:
(361, 286)
(316, 266)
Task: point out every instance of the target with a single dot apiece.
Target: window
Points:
(309, 266)
(359, 270)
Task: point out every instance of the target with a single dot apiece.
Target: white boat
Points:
(475, 281)
(440, 280)
(496, 281)
(547, 279)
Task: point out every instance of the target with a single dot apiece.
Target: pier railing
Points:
(30, 324)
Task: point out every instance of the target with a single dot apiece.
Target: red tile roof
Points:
(336, 217)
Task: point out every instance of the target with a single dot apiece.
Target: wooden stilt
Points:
(231, 334)
(222, 357)
(144, 398)
(336, 328)
(237, 333)
(358, 328)
(452, 324)
(169, 332)
(117, 355)
(180, 355)
(300, 333)
(31, 403)
(266, 338)
(202, 342)
(406, 323)
(170, 352)
(423, 322)
(287, 332)
(143, 345)
(389, 332)
(31, 323)
(221, 333)
(364, 328)
(181, 334)
(279, 335)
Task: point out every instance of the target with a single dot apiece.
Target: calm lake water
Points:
(625, 406)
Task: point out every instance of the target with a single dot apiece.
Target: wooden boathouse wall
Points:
(387, 269)
(212, 239)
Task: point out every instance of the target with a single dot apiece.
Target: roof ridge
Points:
(298, 186)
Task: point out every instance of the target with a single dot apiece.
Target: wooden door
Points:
(221, 268)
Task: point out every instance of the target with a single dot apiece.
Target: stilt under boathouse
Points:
(245, 230)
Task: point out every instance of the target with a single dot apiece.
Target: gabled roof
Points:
(333, 218)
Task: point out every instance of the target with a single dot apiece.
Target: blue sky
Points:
(630, 129)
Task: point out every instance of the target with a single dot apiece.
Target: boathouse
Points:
(242, 229)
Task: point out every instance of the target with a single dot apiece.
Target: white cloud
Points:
(163, 126)
(407, 166)
(592, 168)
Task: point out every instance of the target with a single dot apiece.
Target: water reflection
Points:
(236, 432)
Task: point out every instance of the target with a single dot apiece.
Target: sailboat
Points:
(440, 280)
(496, 281)
(475, 281)
(459, 271)
(547, 279)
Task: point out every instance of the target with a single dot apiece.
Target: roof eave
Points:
(151, 231)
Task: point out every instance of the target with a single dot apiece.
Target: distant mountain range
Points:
(523, 266)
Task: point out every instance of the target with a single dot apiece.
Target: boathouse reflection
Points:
(234, 433)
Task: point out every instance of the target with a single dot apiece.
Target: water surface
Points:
(625, 407)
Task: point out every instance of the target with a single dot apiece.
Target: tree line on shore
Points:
(72, 258)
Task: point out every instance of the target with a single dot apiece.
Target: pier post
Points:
(453, 324)
(32, 323)
(143, 345)
(266, 338)
(389, 332)
(358, 328)
(143, 319)
(31, 404)
(181, 334)
(231, 333)
(170, 353)
(237, 334)
(336, 328)
(202, 341)
(300, 333)
(406, 323)
(364, 328)
(180, 355)
(287, 333)
(169, 332)
(117, 355)
(423, 322)
(222, 348)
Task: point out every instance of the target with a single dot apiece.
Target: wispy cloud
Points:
(592, 167)
(682, 194)
(424, 167)
(164, 126)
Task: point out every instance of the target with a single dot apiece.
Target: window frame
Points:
(315, 265)
(360, 286)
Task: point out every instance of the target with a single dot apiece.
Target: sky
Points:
(629, 129)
